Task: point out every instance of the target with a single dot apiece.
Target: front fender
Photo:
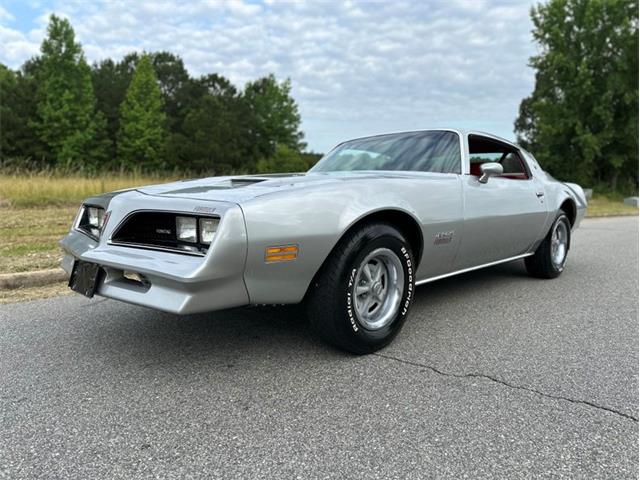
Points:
(315, 219)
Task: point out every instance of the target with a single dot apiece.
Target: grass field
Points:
(602, 206)
(37, 210)
(31, 293)
(45, 189)
(29, 236)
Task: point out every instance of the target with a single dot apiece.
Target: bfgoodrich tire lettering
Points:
(335, 300)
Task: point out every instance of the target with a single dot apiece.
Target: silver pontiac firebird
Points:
(351, 238)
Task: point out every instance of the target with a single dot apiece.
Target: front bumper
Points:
(174, 282)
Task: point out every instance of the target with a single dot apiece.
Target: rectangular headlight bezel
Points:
(91, 220)
(163, 230)
(207, 228)
(186, 224)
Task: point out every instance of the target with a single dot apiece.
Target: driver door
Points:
(503, 217)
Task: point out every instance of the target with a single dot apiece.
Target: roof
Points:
(461, 132)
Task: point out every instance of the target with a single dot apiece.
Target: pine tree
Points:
(141, 137)
(67, 121)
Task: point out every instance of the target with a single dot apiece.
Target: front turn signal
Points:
(282, 253)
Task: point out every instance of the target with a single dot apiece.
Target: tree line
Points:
(581, 120)
(143, 113)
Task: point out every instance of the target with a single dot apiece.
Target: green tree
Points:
(141, 137)
(18, 141)
(143, 111)
(214, 133)
(172, 79)
(110, 81)
(274, 115)
(581, 121)
(284, 160)
(210, 140)
(67, 121)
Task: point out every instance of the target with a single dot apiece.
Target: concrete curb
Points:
(10, 281)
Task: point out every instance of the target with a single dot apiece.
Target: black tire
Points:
(541, 263)
(330, 303)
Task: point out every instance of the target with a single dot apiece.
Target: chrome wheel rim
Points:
(378, 287)
(559, 240)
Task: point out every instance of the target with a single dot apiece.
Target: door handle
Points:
(539, 194)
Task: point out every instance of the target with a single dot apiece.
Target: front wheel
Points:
(361, 296)
(551, 255)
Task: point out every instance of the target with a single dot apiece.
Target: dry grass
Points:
(601, 206)
(37, 189)
(37, 209)
(29, 237)
(32, 293)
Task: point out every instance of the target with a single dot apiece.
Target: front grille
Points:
(155, 230)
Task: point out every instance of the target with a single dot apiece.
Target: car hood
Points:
(238, 189)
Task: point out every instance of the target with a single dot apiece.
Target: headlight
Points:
(91, 220)
(96, 216)
(176, 232)
(186, 229)
(208, 227)
(196, 230)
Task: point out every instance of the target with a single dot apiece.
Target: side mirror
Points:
(489, 169)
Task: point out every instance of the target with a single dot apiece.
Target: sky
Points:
(357, 68)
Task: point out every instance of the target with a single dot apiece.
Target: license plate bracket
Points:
(85, 277)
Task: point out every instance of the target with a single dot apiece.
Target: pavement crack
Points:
(94, 303)
(509, 385)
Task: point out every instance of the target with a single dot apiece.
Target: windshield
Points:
(431, 151)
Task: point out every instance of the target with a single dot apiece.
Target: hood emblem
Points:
(201, 209)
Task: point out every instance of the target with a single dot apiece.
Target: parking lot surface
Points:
(496, 375)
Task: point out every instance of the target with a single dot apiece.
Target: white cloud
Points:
(356, 67)
(16, 48)
(5, 16)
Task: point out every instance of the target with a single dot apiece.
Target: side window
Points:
(482, 150)
(512, 164)
(531, 160)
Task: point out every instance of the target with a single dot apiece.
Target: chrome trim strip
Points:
(470, 269)
(144, 246)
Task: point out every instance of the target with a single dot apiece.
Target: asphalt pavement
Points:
(496, 375)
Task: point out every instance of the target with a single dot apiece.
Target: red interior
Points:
(479, 144)
(475, 169)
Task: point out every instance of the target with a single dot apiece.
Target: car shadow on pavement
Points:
(475, 281)
(266, 331)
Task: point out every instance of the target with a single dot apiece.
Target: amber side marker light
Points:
(283, 253)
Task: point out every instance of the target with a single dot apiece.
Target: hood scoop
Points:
(244, 182)
(225, 185)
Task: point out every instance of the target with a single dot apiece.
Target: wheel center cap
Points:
(377, 288)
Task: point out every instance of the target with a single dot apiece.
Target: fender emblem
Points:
(441, 238)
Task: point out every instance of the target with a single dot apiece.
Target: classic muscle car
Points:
(351, 238)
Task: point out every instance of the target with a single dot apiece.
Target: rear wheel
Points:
(551, 255)
(361, 296)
